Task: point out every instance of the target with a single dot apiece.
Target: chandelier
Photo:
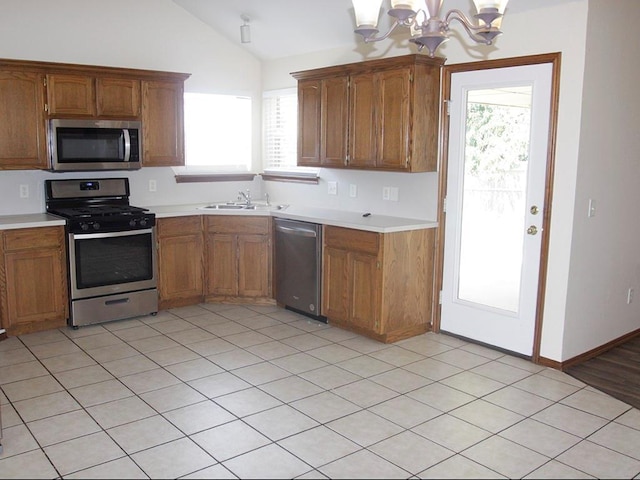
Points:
(428, 27)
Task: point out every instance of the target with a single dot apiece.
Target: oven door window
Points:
(90, 144)
(113, 259)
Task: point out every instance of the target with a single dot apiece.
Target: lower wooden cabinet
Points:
(378, 284)
(180, 261)
(238, 258)
(33, 290)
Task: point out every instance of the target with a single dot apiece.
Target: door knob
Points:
(532, 230)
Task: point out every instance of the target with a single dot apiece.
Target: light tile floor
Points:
(224, 391)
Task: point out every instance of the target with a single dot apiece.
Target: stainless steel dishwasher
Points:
(298, 262)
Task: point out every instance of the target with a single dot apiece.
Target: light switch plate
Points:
(353, 190)
(332, 188)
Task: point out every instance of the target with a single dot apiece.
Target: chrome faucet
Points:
(246, 195)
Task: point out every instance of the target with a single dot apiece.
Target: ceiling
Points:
(283, 28)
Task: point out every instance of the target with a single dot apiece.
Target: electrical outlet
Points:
(386, 193)
(332, 188)
(24, 191)
(393, 194)
(353, 190)
(153, 186)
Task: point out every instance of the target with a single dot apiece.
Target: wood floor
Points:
(616, 372)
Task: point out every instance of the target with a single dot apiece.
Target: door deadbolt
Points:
(534, 210)
(532, 230)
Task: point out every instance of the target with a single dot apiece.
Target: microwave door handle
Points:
(127, 144)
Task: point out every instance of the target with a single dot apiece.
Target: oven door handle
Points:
(124, 233)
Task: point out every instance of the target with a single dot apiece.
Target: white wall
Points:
(605, 258)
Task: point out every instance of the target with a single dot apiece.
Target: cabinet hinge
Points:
(440, 298)
(44, 81)
(46, 107)
(444, 205)
(378, 266)
(448, 107)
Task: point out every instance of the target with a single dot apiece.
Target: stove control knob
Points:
(84, 226)
(143, 222)
(132, 222)
(96, 226)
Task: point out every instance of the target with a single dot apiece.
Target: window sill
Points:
(215, 177)
(311, 176)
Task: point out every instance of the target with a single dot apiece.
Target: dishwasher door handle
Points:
(302, 232)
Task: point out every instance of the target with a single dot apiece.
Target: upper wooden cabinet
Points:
(89, 96)
(23, 143)
(33, 92)
(378, 114)
(162, 123)
(322, 125)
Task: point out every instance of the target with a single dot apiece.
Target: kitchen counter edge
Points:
(337, 218)
(29, 220)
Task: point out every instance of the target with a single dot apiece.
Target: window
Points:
(280, 138)
(217, 133)
(280, 119)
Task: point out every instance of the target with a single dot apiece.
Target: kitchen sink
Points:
(229, 206)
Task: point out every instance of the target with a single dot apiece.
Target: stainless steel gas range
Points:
(111, 249)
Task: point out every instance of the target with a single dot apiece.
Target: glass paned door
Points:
(496, 173)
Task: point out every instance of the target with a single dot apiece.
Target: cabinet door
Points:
(336, 296)
(393, 115)
(309, 94)
(364, 285)
(222, 264)
(23, 127)
(181, 270)
(163, 123)
(362, 121)
(71, 95)
(334, 124)
(34, 293)
(254, 261)
(118, 97)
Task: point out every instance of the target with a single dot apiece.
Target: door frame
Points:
(447, 71)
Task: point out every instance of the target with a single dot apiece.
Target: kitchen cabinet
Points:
(162, 123)
(33, 92)
(322, 125)
(378, 284)
(392, 118)
(238, 258)
(89, 96)
(23, 143)
(33, 270)
(180, 261)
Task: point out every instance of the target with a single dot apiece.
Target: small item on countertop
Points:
(368, 214)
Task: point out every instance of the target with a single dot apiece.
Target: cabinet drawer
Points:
(352, 240)
(179, 226)
(28, 238)
(238, 224)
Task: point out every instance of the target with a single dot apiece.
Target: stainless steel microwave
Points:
(90, 145)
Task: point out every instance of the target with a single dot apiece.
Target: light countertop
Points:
(337, 218)
(10, 222)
